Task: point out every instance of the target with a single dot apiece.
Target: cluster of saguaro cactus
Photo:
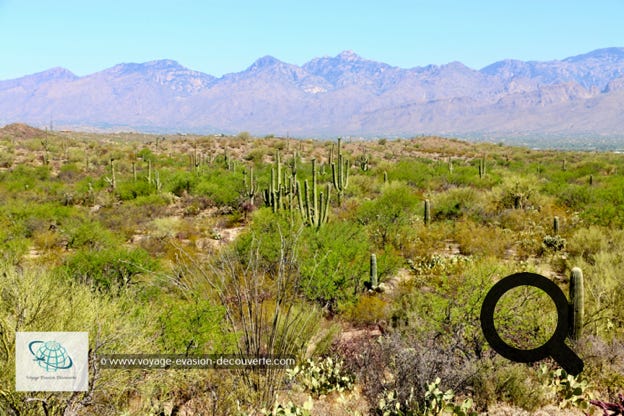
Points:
(314, 205)
(195, 159)
(340, 174)
(227, 160)
(482, 167)
(287, 193)
(282, 190)
(577, 299)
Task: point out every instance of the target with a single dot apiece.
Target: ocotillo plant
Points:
(340, 174)
(427, 213)
(374, 283)
(577, 307)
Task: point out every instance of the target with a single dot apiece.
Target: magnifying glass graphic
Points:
(555, 347)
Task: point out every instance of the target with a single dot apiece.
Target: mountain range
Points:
(333, 96)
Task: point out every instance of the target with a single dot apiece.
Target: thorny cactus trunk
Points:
(577, 299)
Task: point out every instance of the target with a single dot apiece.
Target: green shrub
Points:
(127, 191)
(223, 187)
(89, 235)
(367, 310)
(334, 263)
(195, 326)
(389, 216)
(109, 267)
(115, 325)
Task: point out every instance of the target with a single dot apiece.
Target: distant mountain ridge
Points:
(333, 96)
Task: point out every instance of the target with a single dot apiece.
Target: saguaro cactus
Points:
(363, 162)
(556, 225)
(251, 186)
(482, 167)
(340, 174)
(577, 307)
(373, 271)
(315, 207)
(149, 171)
(427, 213)
(112, 181)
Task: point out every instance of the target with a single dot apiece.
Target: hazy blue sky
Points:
(86, 36)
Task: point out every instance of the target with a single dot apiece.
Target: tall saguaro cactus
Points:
(577, 307)
(482, 167)
(282, 190)
(374, 282)
(340, 173)
(315, 206)
(427, 213)
(251, 187)
(112, 181)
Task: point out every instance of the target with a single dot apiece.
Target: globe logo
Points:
(50, 355)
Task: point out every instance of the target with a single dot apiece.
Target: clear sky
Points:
(219, 37)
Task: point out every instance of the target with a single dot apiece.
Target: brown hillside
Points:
(21, 131)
